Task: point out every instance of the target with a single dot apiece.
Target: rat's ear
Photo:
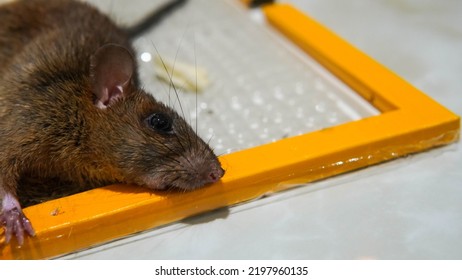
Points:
(111, 70)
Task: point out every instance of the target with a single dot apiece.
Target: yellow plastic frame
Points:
(410, 122)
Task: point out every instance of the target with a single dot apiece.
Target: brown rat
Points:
(71, 108)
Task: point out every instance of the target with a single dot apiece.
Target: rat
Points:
(72, 108)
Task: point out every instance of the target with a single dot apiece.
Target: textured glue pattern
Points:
(262, 89)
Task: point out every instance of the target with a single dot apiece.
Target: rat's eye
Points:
(160, 122)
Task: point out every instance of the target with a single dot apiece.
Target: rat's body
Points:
(71, 108)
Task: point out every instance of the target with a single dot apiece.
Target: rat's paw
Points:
(15, 222)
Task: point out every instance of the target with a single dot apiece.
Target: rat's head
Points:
(148, 143)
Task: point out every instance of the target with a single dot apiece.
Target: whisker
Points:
(167, 90)
(173, 171)
(171, 158)
(204, 149)
(190, 142)
(173, 69)
(195, 66)
(170, 78)
(180, 143)
(221, 154)
(174, 180)
(209, 140)
(171, 150)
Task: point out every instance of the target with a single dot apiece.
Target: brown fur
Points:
(50, 127)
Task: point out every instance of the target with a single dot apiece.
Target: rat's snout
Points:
(200, 170)
(208, 172)
(214, 174)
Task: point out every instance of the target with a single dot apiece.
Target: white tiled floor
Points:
(407, 209)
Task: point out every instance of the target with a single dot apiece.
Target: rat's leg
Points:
(13, 219)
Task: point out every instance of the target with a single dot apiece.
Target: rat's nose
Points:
(215, 174)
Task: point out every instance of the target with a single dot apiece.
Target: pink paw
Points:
(13, 219)
(15, 222)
